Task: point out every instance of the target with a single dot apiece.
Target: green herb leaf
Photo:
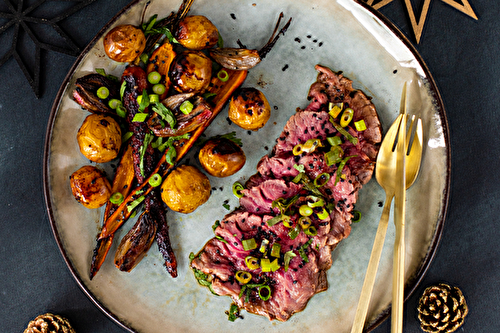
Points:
(165, 114)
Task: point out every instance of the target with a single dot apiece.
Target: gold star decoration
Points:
(461, 5)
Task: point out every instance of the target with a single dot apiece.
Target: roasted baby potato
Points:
(249, 109)
(221, 157)
(191, 71)
(90, 187)
(124, 43)
(99, 138)
(197, 32)
(185, 189)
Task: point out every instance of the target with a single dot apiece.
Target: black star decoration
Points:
(21, 23)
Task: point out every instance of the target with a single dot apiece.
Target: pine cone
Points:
(442, 309)
(49, 323)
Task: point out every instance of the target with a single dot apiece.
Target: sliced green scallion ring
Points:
(252, 262)
(334, 156)
(324, 177)
(305, 210)
(223, 75)
(346, 117)
(263, 245)
(323, 215)
(155, 180)
(356, 216)
(102, 92)
(297, 149)
(116, 198)
(135, 203)
(311, 231)
(186, 107)
(275, 250)
(287, 222)
(305, 222)
(114, 103)
(121, 111)
(243, 277)
(237, 190)
(154, 77)
(154, 98)
(159, 89)
(264, 292)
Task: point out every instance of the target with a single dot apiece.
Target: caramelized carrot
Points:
(223, 91)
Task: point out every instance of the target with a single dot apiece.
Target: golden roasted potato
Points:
(90, 187)
(99, 138)
(124, 43)
(191, 71)
(196, 32)
(185, 189)
(221, 157)
(249, 109)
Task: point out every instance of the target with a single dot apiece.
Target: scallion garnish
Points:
(344, 132)
(356, 216)
(249, 244)
(121, 111)
(140, 117)
(325, 177)
(116, 198)
(135, 203)
(287, 258)
(237, 190)
(186, 107)
(223, 75)
(102, 92)
(264, 292)
(159, 89)
(154, 77)
(155, 180)
(341, 167)
(122, 89)
(165, 114)
(360, 125)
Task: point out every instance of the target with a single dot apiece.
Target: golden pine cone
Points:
(442, 309)
(49, 323)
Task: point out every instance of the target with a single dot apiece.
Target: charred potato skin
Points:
(249, 109)
(185, 189)
(99, 138)
(90, 187)
(124, 43)
(191, 71)
(196, 32)
(221, 157)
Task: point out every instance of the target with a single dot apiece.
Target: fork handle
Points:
(371, 271)
(398, 276)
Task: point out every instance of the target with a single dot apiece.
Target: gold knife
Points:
(399, 220)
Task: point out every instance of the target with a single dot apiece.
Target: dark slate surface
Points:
(463, 56)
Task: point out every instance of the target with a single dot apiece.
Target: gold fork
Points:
(385, 174)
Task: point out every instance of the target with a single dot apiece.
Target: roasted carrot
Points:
(223, 91)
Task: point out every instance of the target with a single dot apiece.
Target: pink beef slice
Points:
(224, 255)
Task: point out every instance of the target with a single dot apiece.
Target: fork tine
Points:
(414, 132)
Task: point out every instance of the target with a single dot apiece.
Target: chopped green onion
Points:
(325, 176)
(263, 245)
(101, 71)
(148, 138)
(171, 155)
(346, 117)
(310, 145)
(298, 178)
(252, 262)
(223, 75)
(297, 149)
(264, 292)
(287, 222)
(155, 180)
(275, 250)
(114, 103)
(334, 110)
(360, 125)
(154, 98)
(314, 201)
(305, 210)
(122, 89)
(117, 198)
(144, 57)
(274, 220)
(243, 277)
(186, 107)
(287, 258)
(311, 231)
(269, 266)
(154, 77)
(356, 216)
(159, 89)
(334, 141)
(249, 244)
(127, 136)
(121, 111)
(237, 190)
(293, 233)
(226, 206)
(220, 42)
(305, 222)
(140, 117)
(343, 131)
(233, 313)
(323, 215)
(341, 167)
(135, 203)
(207, 95)
(334, 156)
(299, 168)
(103, 92)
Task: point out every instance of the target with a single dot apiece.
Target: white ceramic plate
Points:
(341, 34)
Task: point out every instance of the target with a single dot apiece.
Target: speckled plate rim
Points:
(418, 276)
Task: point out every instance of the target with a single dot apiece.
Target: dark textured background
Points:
(464, 57)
